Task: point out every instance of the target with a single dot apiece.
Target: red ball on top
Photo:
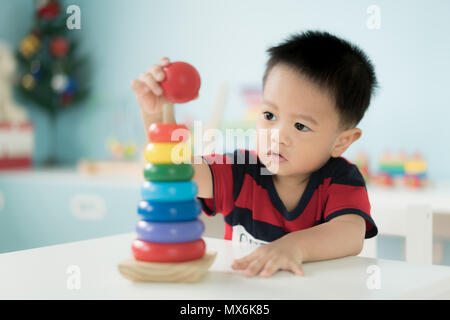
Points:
(181, 83)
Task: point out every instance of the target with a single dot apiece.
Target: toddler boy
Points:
(295, 193)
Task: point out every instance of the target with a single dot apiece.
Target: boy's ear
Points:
(345, 139)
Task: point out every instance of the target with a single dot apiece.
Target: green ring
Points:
(168, 172)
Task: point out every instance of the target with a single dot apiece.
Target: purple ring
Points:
(170, 232)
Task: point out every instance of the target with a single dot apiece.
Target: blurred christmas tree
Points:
(51, 74)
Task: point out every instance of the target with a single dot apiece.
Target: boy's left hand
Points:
(267, 259)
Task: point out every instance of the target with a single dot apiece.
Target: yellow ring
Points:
(168, 152)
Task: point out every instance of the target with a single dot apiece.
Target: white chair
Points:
(414, 222)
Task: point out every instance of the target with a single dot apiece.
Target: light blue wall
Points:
(226, 41)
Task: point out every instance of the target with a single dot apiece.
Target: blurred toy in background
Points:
(252, 100)
(120, 150)
(127, 162)
(362, 162)
(215, 120)
(9, 110)
(390, 169)
(416, 172)
(16, 132)
(400, 170)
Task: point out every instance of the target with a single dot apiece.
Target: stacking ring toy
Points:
(169, 211)
(181, 83)
(168, 172)
(168, 132)
(168, 252)
(168, 152)
(169, 232)
(169, 191)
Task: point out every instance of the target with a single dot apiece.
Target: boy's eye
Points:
(301, 127)
(268, 115)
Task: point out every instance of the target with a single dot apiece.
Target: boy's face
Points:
(300, 120)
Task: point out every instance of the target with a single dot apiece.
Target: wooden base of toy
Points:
(189, 271)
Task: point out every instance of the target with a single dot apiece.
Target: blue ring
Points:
(169, 191)
(169, 211)
(170, 232)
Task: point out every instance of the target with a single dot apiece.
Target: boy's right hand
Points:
(148, 90)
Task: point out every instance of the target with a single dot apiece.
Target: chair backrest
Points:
(414, 222)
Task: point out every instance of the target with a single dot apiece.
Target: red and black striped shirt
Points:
(248, 198)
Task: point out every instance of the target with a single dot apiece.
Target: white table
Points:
(88, 270)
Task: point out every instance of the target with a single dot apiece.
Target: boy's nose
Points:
(279, 136)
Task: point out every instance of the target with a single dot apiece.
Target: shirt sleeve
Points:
(224, 175)
(347, 194)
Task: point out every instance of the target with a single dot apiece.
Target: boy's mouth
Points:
(276, 156)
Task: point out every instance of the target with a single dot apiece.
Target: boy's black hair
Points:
(333, 64)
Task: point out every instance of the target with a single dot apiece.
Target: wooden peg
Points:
(168, 113)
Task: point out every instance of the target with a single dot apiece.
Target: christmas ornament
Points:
(29, 45)
(48, 10)
(71, 86)
(35, 69)
(59, 46)
(28, 81)
(59, 82)
(66, 98)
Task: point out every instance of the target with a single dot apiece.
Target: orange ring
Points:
(168, 252)
(162, 132)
